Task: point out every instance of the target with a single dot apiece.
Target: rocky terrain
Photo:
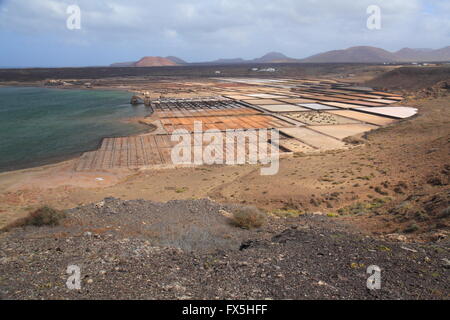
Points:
(136, 77)
(412, 80)
(331, 215)
(188, 250)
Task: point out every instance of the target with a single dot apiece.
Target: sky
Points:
(34, 33)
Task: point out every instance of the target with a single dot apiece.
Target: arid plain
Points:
(385, 178)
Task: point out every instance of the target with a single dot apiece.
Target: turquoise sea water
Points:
(40, 125)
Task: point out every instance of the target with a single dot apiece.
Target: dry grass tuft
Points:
(248, 218)
(44, 216)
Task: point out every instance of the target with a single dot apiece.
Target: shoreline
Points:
(354, 177)
(67, 158)
(74, 87)
(42, 164)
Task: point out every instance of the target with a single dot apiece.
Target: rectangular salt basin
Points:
(339, 105)
(295, 146)
(385, 101)
(237, 97)
(342, 131)
(364, 117)
(319, 118)
(359, 89)
(313, 138)
(262, 102)
(388, 95)
(283, 108)
(316, 106)
(265, 96)
(396, 112)
(364, 103)
(298, 101)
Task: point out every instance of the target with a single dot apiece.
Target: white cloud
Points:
(207, 29)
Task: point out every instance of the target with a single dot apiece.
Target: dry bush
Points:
(354, 140)
(248, 217)
(44, 216)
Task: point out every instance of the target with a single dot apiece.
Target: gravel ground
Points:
(188, 250)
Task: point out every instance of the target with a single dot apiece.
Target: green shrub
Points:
(248, 217)
(287, 213)
(44, 216)
(181, 190)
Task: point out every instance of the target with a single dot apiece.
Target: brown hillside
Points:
(362, 54)
(410, 78)
(154, 62)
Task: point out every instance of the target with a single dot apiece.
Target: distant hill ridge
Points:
(367, 54)
(359, 54)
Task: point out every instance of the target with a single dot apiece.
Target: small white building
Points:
(268, 70)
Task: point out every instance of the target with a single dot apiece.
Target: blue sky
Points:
(34, 32)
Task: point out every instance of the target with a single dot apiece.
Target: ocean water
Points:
(40, 125)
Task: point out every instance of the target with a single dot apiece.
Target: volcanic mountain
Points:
(408, 54)
(152, 62)
(274, 57)
(362, 54)
(176, 60)
(366, 54)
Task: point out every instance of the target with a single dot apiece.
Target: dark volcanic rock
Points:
(187, 250)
